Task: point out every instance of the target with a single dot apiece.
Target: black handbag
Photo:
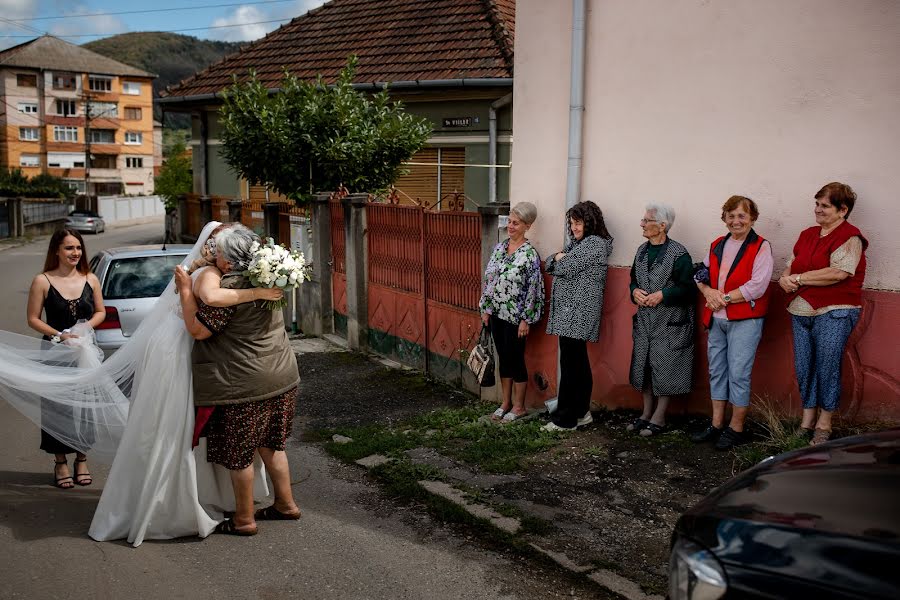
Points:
(481, 359)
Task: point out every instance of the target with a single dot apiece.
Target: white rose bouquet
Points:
(273, 265)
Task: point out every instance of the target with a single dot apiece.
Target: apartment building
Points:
(78, 115)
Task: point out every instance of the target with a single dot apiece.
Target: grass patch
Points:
(779, 434)
(455, 432)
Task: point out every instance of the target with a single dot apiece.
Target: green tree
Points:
(174, 177)
(312, 137)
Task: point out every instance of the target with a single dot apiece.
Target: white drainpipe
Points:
(492, 144)
(576, 119)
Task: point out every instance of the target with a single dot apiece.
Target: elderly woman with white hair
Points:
(243, 366)
(663, 288)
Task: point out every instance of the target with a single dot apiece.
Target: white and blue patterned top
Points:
(513, 287)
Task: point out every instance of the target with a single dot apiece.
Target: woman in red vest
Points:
(735, 284)
(824, 276)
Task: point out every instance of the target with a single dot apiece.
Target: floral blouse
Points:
(513, 287)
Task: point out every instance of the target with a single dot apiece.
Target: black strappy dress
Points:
(63, 313)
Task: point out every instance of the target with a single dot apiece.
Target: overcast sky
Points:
(228, 20)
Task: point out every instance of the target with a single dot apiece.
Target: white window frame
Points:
(29, 108)
(107, 88)
(131, 88)
(29, 160)
(69, 103)
(134, 162)
(30, 134)
(134, 138)
(68, 134)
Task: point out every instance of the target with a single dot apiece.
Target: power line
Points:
(149, 10)
(82, 35)
(21, 26)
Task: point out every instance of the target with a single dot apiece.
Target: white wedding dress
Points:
(135, 409)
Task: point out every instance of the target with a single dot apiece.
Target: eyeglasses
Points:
(645, 221)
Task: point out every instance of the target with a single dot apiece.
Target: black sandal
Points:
(63, 483)
(229, 528)
(270, 513)
(78, 475)
(652, 429)
(636, 425)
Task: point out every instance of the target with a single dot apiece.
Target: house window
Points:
(131, 88)
(104, 109)
(29, 160)
(134, 162)
(28, 108)
(134, 137)
(29, 134)
(103, 136)
(64, 81)
(23, 80)
(66, 108)
(65, 160)
(65, 134)
(133, 114)
(99, 83)
(103, 161)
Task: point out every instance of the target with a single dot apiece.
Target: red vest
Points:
(812, 252)
(740, 273)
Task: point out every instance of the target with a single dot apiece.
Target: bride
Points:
(138, 406)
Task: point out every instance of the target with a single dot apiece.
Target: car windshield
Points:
(83, 213)
(140, 277)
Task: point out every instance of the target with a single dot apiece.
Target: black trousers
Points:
(576, 382)
(510, 350)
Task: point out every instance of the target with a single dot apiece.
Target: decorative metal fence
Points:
(453, 258)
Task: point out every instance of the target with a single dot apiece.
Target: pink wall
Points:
(871, 361)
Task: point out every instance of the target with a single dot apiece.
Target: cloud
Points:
(11, 34)
(103, 24)
(245, 22)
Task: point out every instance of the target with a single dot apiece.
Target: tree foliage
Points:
(15, 183)
(313, 137)
(175, 177)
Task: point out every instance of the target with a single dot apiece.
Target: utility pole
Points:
(87, 145)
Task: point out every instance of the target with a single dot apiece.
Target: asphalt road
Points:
(349, 544)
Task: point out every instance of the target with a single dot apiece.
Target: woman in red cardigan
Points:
(825, 276)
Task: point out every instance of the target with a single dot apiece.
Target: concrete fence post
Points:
(316, 300)
(357, 273)
(270, 220)
(490, 225)
(205, 211)
(19, 211)
(182, 216)
(234, 210)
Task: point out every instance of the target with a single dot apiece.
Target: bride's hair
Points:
(235, 246)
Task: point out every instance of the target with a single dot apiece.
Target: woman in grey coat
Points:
(579, 279)
(662, 287)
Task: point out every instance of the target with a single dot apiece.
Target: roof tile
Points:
(395, 40)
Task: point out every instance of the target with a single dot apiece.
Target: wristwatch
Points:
(727, 298)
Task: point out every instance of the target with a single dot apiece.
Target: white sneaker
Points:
(551, 426)
(587, 419)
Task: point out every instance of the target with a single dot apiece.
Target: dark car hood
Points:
(847, 487)
(830, 513)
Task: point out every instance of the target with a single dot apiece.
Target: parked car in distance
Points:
(822, 522)
(131, 279)
(85, 220)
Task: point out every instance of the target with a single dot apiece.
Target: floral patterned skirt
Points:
(235, 431)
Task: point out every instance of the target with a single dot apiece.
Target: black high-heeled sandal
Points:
(78, 475)
(63, 483)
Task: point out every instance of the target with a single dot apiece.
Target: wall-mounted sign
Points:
(458, 122)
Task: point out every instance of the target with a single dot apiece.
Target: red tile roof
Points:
(395, 40)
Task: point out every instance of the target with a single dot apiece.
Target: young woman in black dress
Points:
(66, 291)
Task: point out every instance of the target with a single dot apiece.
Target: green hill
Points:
(170, 55)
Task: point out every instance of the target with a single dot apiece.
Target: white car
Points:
(131, 279)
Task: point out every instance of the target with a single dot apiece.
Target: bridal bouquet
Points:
(273, 265)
